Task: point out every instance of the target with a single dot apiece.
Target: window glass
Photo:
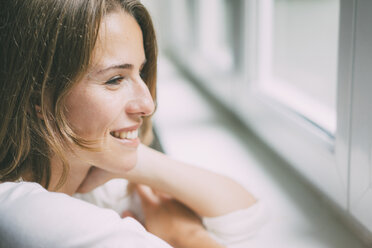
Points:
(298, 55)
(214, 36)
(181, 26)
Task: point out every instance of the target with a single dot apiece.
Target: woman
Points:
(77, 91)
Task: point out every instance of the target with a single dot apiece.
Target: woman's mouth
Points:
(127, 138)
(125, 134)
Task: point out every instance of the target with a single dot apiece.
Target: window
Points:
(298, 72)
(214, 37)
(297, 59)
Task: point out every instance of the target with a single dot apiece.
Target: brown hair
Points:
(46, 46)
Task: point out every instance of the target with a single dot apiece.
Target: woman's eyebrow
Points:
(112, 67)
(119, 66)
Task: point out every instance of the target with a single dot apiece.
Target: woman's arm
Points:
(173, 222)
(201, 240)
(207, 193)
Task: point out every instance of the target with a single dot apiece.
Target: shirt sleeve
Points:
(238, 226)
(114, 195)
(30, 216)
(230, 229)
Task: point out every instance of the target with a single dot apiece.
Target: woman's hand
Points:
(172, 221)
(98, 176)
(207, 193)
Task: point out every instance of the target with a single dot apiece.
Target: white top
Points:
(31, 216)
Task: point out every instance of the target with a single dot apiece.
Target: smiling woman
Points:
(56, 47)
(108, 103)
(77, 93)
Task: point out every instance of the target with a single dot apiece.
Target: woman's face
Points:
(108, 103)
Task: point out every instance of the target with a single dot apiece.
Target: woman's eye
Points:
(115, 81)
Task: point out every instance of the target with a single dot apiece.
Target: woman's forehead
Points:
(119, 42)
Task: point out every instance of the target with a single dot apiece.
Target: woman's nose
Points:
(142, 103)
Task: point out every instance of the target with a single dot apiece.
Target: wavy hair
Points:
(46, 47)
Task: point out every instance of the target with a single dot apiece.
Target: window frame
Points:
(322, 158)
(337, 164)
(360, 146)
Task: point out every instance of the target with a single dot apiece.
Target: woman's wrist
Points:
(142, 172)
(198, 238)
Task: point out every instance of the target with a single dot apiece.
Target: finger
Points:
(147, 195)
(93, 179)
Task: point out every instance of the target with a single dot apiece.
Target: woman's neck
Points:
(76, 174)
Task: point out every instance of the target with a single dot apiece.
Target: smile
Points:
(129, 138)
(125, 134)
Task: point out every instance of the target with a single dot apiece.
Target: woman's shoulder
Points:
(29, 197)
(14, 194)
(11, 191)
(31, 216)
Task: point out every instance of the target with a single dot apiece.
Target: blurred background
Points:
(275, 94)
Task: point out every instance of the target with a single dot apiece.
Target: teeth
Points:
(129, 135)
(126, 135)
(132, 134)
(123, 135)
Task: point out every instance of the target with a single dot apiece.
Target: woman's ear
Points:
(38, 112)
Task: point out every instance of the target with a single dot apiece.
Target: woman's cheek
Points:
(91, 125)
